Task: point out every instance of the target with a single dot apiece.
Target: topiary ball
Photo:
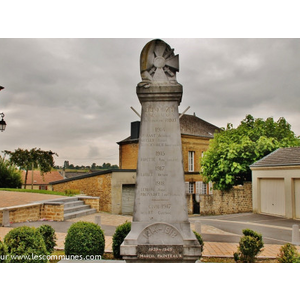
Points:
(84, 240)
(25, 245)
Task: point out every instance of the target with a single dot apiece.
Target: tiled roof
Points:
(280, 157)
(190, 125)
(87, 175)
(40, 179)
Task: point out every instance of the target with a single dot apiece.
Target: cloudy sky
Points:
(73, 96)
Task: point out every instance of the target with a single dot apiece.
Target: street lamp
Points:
(2, 122)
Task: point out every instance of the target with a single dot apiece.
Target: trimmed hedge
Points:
(119, 236)
(25, 245)
(48, 234)
(84, 239)
(3, 252)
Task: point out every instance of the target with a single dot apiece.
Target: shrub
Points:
(119, 236)
(249, 246)
(71, 192)
(25, 245)
(48, 234)
(3, 252)
(84, 239)
(200, 240)
(288, 254)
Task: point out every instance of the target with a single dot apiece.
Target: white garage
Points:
(297, 198)
(276, 183)
(272, 196)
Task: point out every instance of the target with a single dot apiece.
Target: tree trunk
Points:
(26, 174)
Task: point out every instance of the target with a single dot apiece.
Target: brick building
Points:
(38, 181)
(195, 136)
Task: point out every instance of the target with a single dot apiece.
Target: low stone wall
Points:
(53, 211)
(236, 200)
(31, 212)
(93, 202)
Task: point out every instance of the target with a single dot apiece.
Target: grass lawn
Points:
(33, 191)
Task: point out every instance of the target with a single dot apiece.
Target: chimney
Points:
(135, 130)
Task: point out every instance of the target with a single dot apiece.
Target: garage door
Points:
(297, 198)
(128, 192)
(272, 196)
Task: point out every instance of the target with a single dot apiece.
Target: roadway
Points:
(274, 230)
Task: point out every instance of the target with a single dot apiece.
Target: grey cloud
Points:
(73, 96)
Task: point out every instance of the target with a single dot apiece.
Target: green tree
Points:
(32, 159)
(232, 151)
(10, 177)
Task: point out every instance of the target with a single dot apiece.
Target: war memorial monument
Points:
(160, 230)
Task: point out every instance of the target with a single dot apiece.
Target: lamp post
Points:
(2, 122)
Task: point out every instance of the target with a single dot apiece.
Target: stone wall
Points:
(106, 186)
(96, 186)
(53, 212)
(236, 200)
(33, 212)
(92, 202)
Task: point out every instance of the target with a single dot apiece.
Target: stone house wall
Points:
(128, 155)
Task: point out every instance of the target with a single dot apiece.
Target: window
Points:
(191, 187)
(191, 161)
(201, 188)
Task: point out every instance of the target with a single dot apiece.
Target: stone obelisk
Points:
(160, 230)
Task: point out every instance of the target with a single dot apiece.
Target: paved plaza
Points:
(109, 223)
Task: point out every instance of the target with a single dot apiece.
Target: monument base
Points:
(160, 243)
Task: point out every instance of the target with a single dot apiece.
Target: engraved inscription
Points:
(160, 228)
(160, 252)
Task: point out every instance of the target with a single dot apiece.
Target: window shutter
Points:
(187, 187)
(198, 187)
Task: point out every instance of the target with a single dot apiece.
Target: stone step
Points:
(65, 200)
(76, 208)
(73, 203)
(80, 213)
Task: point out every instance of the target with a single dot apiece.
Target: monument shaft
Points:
(160, 191)
(160, 230)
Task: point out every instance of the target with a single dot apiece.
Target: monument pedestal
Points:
(160, 231)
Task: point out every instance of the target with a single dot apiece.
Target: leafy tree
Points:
(10, 177)
(233, 150)
(32, 159)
